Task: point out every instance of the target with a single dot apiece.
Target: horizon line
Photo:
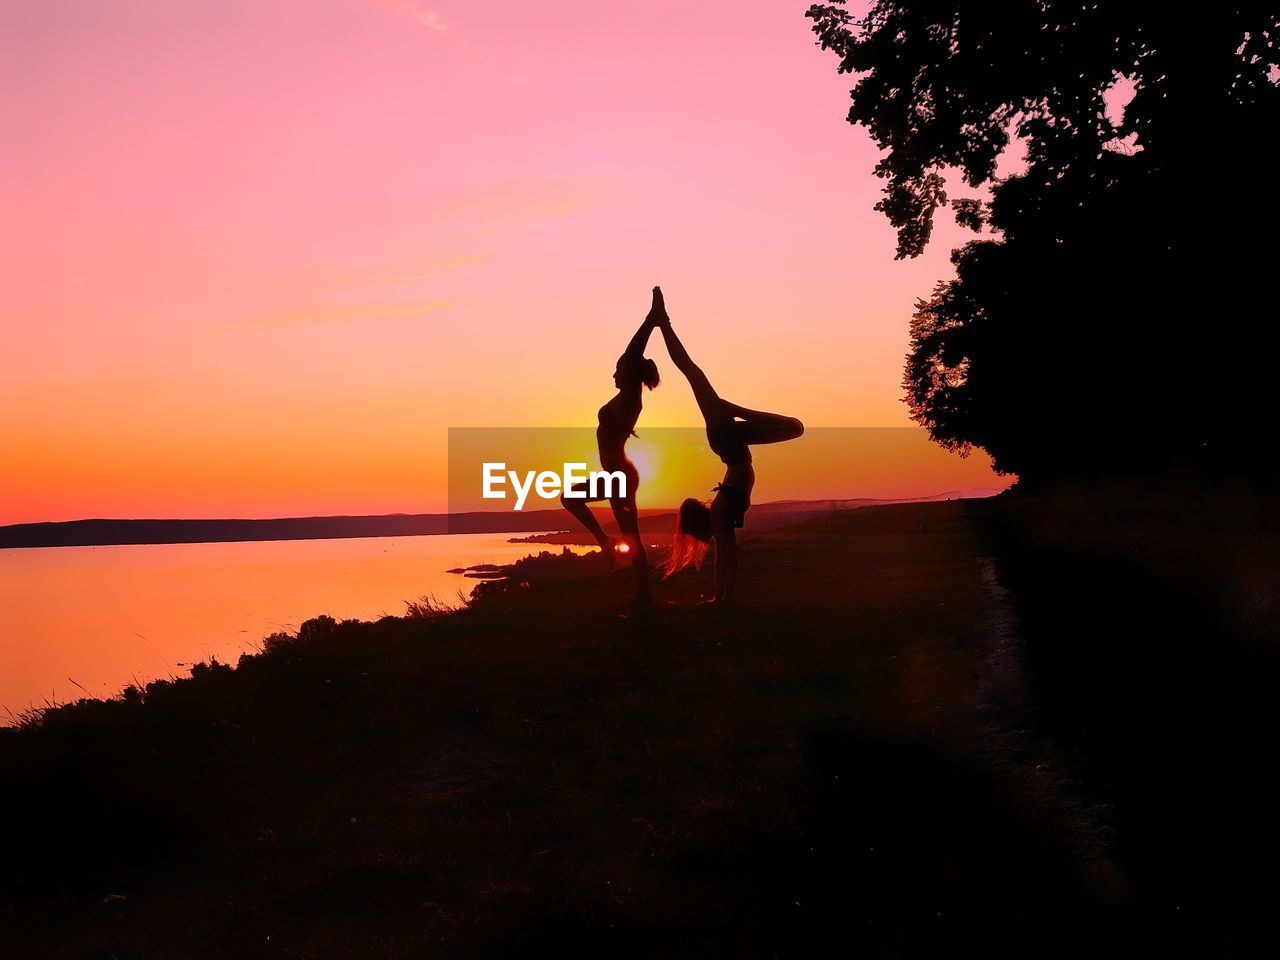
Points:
(968, 493)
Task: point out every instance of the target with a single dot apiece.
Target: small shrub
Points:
(317, 630)
(209, 668)
(277, 642)
(426, 608)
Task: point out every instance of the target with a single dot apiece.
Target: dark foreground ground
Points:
(932, 730)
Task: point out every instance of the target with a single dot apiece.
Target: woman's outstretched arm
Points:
(635, 349)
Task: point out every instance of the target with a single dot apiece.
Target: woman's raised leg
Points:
(758, 427)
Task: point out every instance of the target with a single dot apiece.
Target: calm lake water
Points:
(80, 621)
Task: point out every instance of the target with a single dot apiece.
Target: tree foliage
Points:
(1118, 312)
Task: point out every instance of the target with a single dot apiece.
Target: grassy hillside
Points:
(863, 754)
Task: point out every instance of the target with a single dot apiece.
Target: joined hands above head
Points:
(657, 315)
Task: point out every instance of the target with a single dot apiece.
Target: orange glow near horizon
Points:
(261, 257)
(826, 463)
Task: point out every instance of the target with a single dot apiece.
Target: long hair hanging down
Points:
(692, 537)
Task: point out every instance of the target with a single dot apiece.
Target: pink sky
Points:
(258, 256)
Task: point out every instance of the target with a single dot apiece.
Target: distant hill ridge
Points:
(85, 533)
(101, 532)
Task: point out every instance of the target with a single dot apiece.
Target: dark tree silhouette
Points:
(1117, 313)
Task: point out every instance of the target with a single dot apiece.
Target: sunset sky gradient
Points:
(258, 255)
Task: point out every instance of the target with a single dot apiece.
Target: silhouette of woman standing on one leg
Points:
(617, 421)
(731, 432)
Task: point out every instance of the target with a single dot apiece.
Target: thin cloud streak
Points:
(428, 19)
(414, 13)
